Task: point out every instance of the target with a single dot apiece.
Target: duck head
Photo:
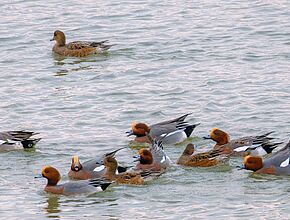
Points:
(111, 164)
(75, 164)
(219, 136)
(51, 174)
(145, 156)
(59, 37)
(189, 150)
(253, 163)
(138, 129)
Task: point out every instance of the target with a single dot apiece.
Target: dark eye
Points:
(46, 171)
(54, 34)
(127, 177)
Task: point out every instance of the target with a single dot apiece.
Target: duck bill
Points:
(137, 158)
(129, 133)
(76, 168)
(241, 167)
(38, 176)
(207, 137)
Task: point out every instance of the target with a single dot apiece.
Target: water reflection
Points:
(63, 72)
(53, 207)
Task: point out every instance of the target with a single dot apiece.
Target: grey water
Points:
(227, 62)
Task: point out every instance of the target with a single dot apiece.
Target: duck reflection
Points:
(53, 207)
(67, 65)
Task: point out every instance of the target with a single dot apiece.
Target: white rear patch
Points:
(100, 168)
(285, 163)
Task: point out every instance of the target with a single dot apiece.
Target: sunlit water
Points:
(227, 62)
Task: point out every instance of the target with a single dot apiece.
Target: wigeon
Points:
(154, 158)
(277, 164)
(145, 161)
(254, 145)
(176, 130)
(128, 177)
(91, 169)
(77, 48)
(207, 159)
(70, 188)
(14, 140)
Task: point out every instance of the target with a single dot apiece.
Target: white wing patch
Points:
(100, 168)
(163, 159)
(241, 149)
(285, 163)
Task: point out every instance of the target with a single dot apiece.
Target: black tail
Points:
(189, 129)
(269, 147)
(104, 186)
(30, 143)
(99, 182)
(122, 169)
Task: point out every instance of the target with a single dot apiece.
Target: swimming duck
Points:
(175, 130)
(153, 159)
(128, 177)
(207, 159)
(77, 48)
(277, 164)
(14, 140)
(254, 145)
(91, 169)
(70, 188)
(145, 161)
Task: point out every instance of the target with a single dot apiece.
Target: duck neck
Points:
(110, 173)
(52, 182)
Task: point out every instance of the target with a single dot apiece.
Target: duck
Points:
(71, 188)
(277, 164)
(15, 140)
(207, 159)
(77, 48)
(154, 158)
(130, 177)
(259, 145)
(172, 131)
(145, 161)
(91, 169)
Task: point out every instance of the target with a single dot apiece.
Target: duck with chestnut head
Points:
(171, 131)
(277, 164)
(70, 188)
(259, 145)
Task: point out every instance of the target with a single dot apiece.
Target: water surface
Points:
(227, 62)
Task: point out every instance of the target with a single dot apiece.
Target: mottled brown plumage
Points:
(206, 159)
(128, 177)
(77, 48)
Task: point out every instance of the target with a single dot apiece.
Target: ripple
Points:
(225, 62)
